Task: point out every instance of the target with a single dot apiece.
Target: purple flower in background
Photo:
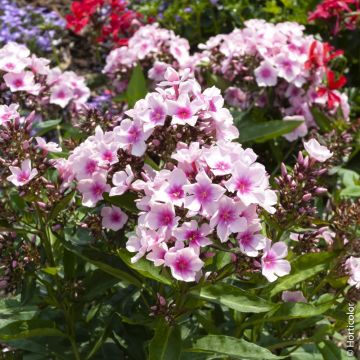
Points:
(30, 25)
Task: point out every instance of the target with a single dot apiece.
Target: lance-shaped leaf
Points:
(166, 343)
(233, 298)
(233, 347)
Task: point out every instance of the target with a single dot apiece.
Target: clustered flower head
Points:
(29, 24)
(23, 72)
(208, 189)
(156, 49)
(264, 65)
(276, 65)
(340, 14)
(112, 17)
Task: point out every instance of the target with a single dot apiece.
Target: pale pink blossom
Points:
(161, 215)
(113, 218)
(47, 146)
(158, 70)
(249, 182)
(61, 95)
(184, 264)
(183, 110)
(173, 189)
(22, 175)
(251, 241)
(131, 135)
(272, 261)
(93, 189)
(316, 151)
(8, 113)
(23, 81)
(227, 218)
(266, 74)
(193, 234)
(203, 195)
(122, 181)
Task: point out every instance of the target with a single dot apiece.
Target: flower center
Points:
(243, 185)
(183, 113)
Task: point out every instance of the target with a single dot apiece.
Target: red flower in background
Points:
(111, 20)
(332, 85)
(320, 54)
(344, 12)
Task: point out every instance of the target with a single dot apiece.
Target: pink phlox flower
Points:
(61, 95)
(47, 146)
(272, 261)
(219, 161)
(161, 215)
(203, 195)
(184, 264)
(316, 151)
(157, 71)
(173, 189)
(93, 189)
(23, 174)
(193, 234)
(22, 81)
(113, 218)
(251, 241)
(131, 136)
(122, 181)
(156, 112)
(183, 110)
(227, 218)
(247, 182)
(8, 113)
(266, 74)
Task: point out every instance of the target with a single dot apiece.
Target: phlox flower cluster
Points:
(278, 66)
(264, 65)
(208, 191)
(154, 48)
(23, 72)
(29, 24)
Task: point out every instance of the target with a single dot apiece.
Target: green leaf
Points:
(306, 352)
(351, 191)
(28, 329)
(125, 201)
(302, 268)
(229, 346)
(321, 119)
(166, 343)
(233, 298)
(105, 262)
(331, 351)
(289, 311)
(46, 126)
(137, 88)
(264, 131)
(145, 268)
